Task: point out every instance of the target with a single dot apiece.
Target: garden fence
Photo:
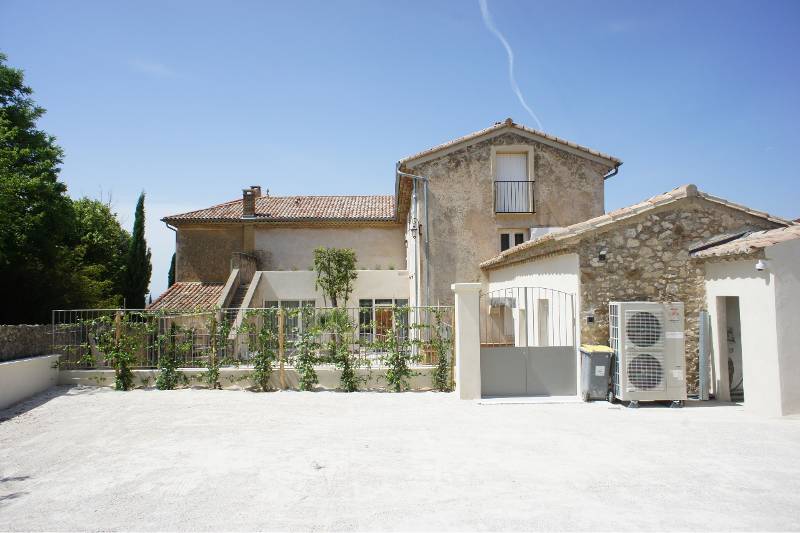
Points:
(83, 337)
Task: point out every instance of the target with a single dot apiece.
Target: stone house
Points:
(637, 253)
(454, 206)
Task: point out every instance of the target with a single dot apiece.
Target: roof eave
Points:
(500, 128)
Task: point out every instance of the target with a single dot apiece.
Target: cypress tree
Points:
(138, 267)
(171, 273)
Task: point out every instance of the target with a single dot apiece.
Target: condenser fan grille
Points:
(643, 328)
(645, 372)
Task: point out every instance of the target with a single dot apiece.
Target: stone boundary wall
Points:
(25, 340)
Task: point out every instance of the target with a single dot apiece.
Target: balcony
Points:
(513, 197)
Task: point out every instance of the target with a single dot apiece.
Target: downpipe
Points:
(424, 181)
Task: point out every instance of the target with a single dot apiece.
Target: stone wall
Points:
(247, 265)
(203, 253)
(20, 341)
(464, 229)
(648, 259)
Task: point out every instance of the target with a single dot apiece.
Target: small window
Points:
(506, 239)
(504, 242)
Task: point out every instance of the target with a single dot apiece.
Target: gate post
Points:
(468, 340)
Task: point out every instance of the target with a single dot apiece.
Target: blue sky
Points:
(191, 101)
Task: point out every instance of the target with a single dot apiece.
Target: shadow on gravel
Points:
(42, 398)
(12, 495)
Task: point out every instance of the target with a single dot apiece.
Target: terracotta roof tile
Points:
(189, 295)
(299, 208)
(623, 213)
(748, 242)
(509, 123)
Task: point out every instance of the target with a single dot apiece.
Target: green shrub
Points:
(262, 331)
(305, 350)
(170, 359)
(119, 338)
(218, 347)
(399, 355)
(337, 323)
(442, 346)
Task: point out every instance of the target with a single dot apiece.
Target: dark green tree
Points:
(137, 265)
(102, 252)
(37, 229)
(171, 273)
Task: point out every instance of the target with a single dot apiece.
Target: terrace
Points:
(194, 459)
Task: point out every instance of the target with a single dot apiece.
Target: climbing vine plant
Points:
(340, 337)
(262, 332)
(219, 329)
(398, 355)
(175, 344)
(306, 347)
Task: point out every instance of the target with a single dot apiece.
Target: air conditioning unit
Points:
(649, 354)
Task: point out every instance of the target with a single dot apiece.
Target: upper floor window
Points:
(513, 186)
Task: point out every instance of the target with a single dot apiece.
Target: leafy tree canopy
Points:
(336, 272)
(102, 251)
(47, 259)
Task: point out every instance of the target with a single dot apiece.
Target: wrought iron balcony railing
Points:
(513, 197)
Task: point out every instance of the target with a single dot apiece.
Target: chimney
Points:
(248, 203)
(256, 190)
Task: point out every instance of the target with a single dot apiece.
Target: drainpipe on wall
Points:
(414, 227)
(424, 181)
(613, 172)
(173, 228)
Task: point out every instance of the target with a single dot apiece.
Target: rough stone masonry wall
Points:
(21, 341)
(464, 229)
(648, 259)
(204, 252)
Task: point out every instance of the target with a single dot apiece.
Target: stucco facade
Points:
(768, 338)
(464, 228)
(288, 248)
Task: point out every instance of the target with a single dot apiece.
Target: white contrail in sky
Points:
(487, 19)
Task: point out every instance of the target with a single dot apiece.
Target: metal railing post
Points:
(281, 372)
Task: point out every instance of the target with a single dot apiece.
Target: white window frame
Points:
(511, 237)
(529, 152)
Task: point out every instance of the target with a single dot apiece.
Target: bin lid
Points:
(595, 348)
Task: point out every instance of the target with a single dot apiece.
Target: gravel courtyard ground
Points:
(94, 459)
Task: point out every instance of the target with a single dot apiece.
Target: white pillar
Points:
(468, 340)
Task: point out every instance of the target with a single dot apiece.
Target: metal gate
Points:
(528, 342)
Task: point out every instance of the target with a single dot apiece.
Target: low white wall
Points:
(23, 378)
(299, 285)
(769, 303)
(238, 378)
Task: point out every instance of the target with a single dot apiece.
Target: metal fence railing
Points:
(514, 196)
(84, 336)
(527, 317)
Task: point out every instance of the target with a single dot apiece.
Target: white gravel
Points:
(94, 459)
